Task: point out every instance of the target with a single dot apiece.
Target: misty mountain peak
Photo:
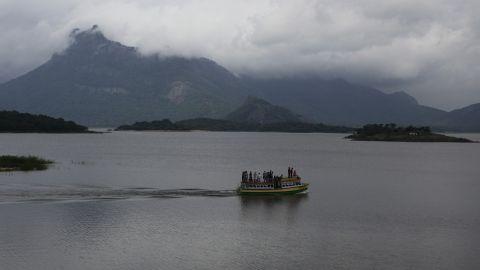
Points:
(93, 41)
(93, 35)
(97, 81)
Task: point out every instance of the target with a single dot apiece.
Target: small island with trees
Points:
(208, 124)
(10, 163)
(394, 133)
(16, 122)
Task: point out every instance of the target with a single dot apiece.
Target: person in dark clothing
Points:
(250, 176)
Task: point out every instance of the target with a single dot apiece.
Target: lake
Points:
(166, 200)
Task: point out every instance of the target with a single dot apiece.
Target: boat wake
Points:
(50, 193)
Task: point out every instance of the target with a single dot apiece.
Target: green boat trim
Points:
(273, 191)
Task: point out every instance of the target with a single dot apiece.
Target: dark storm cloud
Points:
(428, 48)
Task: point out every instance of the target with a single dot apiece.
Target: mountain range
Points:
(100, 82)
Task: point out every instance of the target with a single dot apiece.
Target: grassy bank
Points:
(23, 163)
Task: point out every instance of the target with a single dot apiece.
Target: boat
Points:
(271, 185)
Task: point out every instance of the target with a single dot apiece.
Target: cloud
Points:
(429, 48)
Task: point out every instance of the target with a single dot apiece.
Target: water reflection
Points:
(270, 201)
(272, 207)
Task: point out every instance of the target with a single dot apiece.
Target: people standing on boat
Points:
(266, 176)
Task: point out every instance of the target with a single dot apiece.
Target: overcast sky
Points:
(430, 49)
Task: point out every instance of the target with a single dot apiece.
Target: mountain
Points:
(259, 111)
(342, 103)
(465, 119)
(100, 82)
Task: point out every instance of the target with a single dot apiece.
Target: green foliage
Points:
(13, 121)
(23, 163)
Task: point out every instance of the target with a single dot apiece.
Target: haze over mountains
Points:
(340, 102)
(99, 82)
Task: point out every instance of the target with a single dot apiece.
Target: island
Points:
(208, 124)
(392, 132)
(16, 122)
(23, 163)
(254, 115)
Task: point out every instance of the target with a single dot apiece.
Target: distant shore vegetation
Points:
(392, 132)
(13, 121)
(23, 163)
(208, 124)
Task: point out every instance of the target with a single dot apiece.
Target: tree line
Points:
(13, 121)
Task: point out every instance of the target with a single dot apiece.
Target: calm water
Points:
(148, 200)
